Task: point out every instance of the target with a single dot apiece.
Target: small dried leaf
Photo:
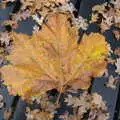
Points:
(117, 51)
(106, 15)
(36, 114)
(7, 114)
(117, 34)
(92, 102)
(118, 66)
(112, 82)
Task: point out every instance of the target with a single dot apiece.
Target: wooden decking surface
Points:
(111, 96)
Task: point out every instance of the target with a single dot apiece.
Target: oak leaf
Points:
(52, 58)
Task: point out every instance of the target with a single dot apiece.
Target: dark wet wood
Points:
(18, 106)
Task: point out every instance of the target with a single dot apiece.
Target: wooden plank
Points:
(8, 100)
(86, 7)
(4, 14)
(26, 26)
(20, 111)
(108, 94)
(98, 85)
(117, 109)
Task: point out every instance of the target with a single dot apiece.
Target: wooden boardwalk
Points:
(111, 96)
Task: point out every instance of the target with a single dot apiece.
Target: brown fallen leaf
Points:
(116, 34)
(117, 51)
(36, 114)
(112, 82)
(67, 116)
(51, 58)
(106, 15)
(7, 114)
(85, 102)
(42, 6)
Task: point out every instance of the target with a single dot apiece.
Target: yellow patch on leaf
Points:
(52, 58)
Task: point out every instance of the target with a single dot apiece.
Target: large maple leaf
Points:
(52, 58)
